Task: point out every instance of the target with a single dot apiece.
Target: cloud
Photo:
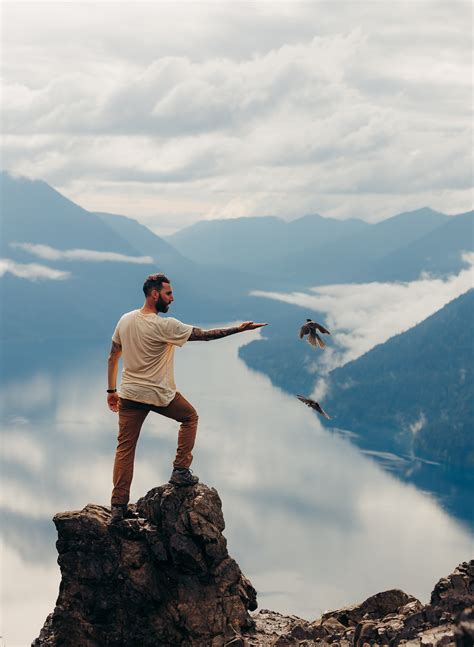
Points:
(288, 109)
(22, 449)
(360, 316)
(31, 271)
(19, 498)
(176, 96)
(52, 254)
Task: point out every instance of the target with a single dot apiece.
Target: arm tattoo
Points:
(198, 334)
(116, 348)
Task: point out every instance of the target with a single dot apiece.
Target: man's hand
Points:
(250, 325)
(113, 401)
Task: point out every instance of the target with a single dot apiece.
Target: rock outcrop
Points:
(163, 577)
(389, 618)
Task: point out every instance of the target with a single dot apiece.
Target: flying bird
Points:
(310, 328)
(313, 405)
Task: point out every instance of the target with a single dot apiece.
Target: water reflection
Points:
(312, 521)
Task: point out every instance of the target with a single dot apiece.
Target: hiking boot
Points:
(182, 476)
(118, 512)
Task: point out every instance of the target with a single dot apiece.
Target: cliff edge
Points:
(162, 577)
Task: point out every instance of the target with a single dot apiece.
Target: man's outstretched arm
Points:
(198, 334)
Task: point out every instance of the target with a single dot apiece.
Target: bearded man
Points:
(146, 343)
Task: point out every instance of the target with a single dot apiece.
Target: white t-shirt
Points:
(148, 343)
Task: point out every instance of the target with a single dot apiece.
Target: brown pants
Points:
(132, 414)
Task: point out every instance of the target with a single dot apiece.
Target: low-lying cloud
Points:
(31, 271)
(51, 254)
(360, 316)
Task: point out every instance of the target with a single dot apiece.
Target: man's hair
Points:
(154, 282)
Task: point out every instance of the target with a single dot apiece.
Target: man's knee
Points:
(191, 416)
(194, 417)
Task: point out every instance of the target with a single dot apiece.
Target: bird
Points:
(313, 405)
(310, 328)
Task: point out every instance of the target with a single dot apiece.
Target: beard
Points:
(161, 306)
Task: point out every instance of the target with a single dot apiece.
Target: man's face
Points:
(164, 298)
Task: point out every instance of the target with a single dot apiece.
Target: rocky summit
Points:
(162, 577)
(388, 618)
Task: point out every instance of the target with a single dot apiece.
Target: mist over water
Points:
(366, 314)
(312, 521)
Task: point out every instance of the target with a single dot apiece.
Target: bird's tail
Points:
(315, 340)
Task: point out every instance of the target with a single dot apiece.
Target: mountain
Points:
(415, 392)
(143, 239)
(79, 305)
(95, 292)
(251, 251)
(350, 257)
(223, 290)
(439, 252)
(257, 244)
(313, 250)
(34, 212)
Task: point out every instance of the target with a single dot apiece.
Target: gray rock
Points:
(388, 618)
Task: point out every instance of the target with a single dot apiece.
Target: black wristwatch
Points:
(111, 390)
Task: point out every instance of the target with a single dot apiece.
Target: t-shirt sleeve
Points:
(116, 335)
(177, 332)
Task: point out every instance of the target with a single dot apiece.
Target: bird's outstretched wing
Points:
(321, 328)
(313, 405)
(304, 330)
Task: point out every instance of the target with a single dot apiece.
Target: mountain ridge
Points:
(95, 290)
(316, 250)
(419, 398)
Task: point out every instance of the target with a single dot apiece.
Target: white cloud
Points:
(20, 498)
(286, 109)
(25, 606)
(22, 449)
(360, 316)
(31, 271)
(52, 254)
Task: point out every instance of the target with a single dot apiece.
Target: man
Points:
(146, 343)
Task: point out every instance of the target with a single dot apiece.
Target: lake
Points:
(313, 522)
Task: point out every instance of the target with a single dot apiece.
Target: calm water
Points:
(312, 521)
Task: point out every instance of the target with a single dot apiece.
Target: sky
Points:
(176, 112)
